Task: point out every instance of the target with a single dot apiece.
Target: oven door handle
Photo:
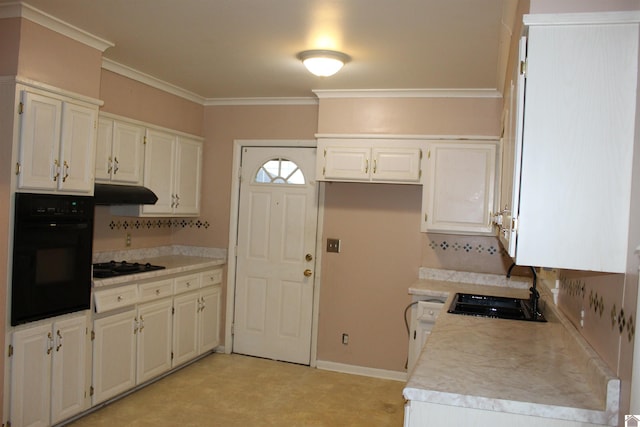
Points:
(56, 226)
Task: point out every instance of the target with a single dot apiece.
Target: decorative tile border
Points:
(455, 246)
(620, 323)
(157, 223)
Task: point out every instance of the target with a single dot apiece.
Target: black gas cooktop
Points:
(121, 268)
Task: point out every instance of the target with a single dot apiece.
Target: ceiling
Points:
(247, 48)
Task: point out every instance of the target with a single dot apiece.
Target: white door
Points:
(277, 223)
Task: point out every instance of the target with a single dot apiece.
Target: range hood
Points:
(110, 194)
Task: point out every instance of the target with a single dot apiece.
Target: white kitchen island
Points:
(496, 372)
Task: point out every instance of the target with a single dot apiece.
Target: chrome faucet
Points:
(534, 294)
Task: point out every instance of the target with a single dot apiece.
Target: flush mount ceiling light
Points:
(323, 63)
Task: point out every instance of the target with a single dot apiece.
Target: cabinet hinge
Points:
(325, 153)
(91, 391)
(414, 335)
(144, 140)
(523, 68)
(20, 108)
(10, 352)
(514, 224)
(421, 154)
(172, 355)
(233, 329)
(18, 168)
(93, 335)
(429, 154)
(173, 311)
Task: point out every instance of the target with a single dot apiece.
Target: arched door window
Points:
(279, 171)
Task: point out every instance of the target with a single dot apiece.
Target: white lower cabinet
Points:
(154, 339)
(196, 322)
(114, 355)
(49, 381)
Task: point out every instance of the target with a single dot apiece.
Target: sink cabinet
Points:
(423, 317)
(571, 132)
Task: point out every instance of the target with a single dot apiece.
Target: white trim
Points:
(629, 17)
(489, 138)
(261, 101)
(19, 80)
(362, 370)
(149, 80)
(408, 93)
(238, 144)
(26, 11)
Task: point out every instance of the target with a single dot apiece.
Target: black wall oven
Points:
(52, 251)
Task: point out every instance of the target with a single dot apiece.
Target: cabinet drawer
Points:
(211, 277)
(155, 290)
(428, 311)
(110, 299)
(187, 283)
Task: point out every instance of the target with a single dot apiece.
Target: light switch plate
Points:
(333, 245)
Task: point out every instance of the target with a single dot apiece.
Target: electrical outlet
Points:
(345, 339)
(333, 245)
(128, 240)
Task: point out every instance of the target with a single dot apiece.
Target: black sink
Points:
(493, 306)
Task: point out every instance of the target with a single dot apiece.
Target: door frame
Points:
(238, 145)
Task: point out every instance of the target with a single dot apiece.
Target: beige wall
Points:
(50, 57)
(9, 45)
(417, 116)
(135, 100)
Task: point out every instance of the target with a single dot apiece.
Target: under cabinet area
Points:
(365, 160)
(57, 143)
(49, 379)
(459, 188)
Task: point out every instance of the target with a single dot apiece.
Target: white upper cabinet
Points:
(458, 193)
(119, 152)
(57, 144)
(367, 160)
(173, 171)
(577, 145)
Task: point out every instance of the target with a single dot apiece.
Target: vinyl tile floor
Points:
(235, 390)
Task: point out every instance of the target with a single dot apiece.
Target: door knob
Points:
(309, 257)
(307, 273)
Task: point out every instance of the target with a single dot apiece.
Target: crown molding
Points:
(23, 10)
(149, 80)
(593, 18)
(261, 101)
(408, 93)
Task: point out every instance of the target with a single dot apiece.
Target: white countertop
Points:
(530, 368)
(174, 264)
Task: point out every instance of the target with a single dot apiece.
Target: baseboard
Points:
(361, 370)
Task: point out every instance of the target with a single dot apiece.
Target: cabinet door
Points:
(39, 142)
(210, 301)
(128, 153)
(346, 163)
(396, 164)
(185, 327)
(114, 355)
(159, 172)
(77, 148)
(188, 173)
(154, 339)
(31, 376)
(69, 380)
(458, 194)
(104, 139)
